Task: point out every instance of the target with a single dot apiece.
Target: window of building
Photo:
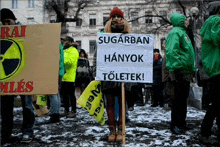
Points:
(164, 15)
(148, 19)
(64, 28)
(161, 43)
(178, 12)
(92, 20)
(92, 45)
(134, 15)
(14, 4)
(52, 19)
(30, 20)
(79, 22)
(80, 44)
(31, 3)
(105, 17)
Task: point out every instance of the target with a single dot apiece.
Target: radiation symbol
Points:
(10, 58)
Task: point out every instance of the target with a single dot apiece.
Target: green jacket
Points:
(71, 56)
(210, 48)
(180, 54)
(61, 65)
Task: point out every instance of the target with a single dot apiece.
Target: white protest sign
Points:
(125, 57)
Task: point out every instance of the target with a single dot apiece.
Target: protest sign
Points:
(92, 100)
(40, 110)
(125, 57)
(42, 100)
(29, 59)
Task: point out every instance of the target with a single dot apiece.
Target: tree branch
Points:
(184, 10)
(81, 5)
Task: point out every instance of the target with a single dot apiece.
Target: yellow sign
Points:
(91, 99)
(42, 100)
(11, 58)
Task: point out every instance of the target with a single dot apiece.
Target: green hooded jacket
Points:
(210, 48)
(71, 56)
(180, 54)
(61, 65)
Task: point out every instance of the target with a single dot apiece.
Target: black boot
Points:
(53, 118)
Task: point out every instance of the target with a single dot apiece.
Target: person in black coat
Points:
(157, 86)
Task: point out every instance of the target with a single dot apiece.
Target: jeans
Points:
(117, 109)
(7, 104)
(55, 101)
(213, 110)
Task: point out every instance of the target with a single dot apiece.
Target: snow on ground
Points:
(148, 127)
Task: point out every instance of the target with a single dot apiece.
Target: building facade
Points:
(91, 18)
(26, 11)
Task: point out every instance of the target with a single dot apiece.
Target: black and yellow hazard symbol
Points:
(11, 58)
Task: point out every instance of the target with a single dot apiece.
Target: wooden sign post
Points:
(123, 112)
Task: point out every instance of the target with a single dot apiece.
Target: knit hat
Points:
(7, 13)
(117, 11)
(156, 50)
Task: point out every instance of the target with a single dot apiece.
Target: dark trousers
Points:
(206, 99)
(157, 95)
(213, 109)
(68, 95)
(7, 104)
(179, 104)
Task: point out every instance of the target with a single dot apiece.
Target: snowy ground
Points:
(148, 127)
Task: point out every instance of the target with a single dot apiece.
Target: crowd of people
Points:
(172, 75)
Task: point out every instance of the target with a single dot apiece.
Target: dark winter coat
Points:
(165, 71)
(83, 73)
(157, 71)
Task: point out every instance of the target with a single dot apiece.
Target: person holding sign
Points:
(7, 102)
(180, 61)
(116, 24)
(71, 56)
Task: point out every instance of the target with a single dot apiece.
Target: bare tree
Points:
(181, 6)
(61, 7)
(164, 18)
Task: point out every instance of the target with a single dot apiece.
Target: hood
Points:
(178, 20)
(214, 8)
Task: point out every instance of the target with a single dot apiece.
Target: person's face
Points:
(82, 55)
(164, 45)
(156, 54)
(8, 21)
(116, 18)
(66, 42)
(186, 23)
